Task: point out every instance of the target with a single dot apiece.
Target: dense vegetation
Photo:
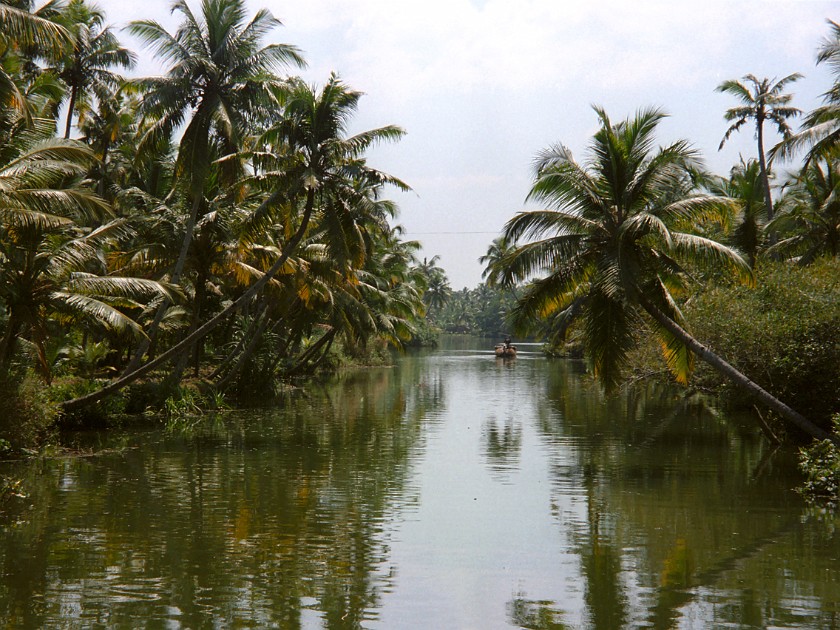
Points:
(215, 222)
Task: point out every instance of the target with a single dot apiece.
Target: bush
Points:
(99, 414)
(29, 416)
(820, 463)
(784, 334)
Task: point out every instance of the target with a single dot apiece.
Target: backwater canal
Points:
(453, 490)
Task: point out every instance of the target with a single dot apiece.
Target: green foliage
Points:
(820, 463)
(784, 334)
(187, 410)
(425, 335)
(102, 413)
(28, 417)
(187, 402)
(608, 247)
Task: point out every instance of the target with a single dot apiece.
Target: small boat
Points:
(505, 352)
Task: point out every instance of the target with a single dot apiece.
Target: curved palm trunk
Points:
(734, 375)
(149, 339)
(248, 352)
(185, 344)
(225, 363)
(325, 340)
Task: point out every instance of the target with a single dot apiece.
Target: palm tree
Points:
(746, 188)
(437, 293)
(85, 66)
(810, 213)
(24, 33)
(305, 164)
(220, 75)
(496, 252)
(762, 101)
(47, 253)
(106, 128)
(609, 250)
(821, 128)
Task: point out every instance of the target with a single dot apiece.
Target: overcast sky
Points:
(481, 86)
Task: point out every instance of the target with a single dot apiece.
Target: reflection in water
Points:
(502, 445)
(453, 491)
(266, 519)
(532, 615)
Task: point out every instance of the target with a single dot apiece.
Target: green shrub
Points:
(784, 334)
(99, 414)
(820, 464)
(29, 416)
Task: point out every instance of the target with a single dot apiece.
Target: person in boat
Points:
(507, 343)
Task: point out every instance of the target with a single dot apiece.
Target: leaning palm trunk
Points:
(325, 340)
(151, 334)
(225, 364)
(248, 352)
(186, 344)
(738, 378)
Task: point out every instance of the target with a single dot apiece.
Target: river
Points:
(454, 490)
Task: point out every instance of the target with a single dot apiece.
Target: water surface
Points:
(454, 490)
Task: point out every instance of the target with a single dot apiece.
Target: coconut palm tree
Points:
(820, 131)
(810, 213)
(437, 292)
(310, 171)
(220, 75)
(106, 128)
(51, 238)
(746, 188)
(25, 34)
(761, 101)
(496, 251)
(609, 251)
(86, 65)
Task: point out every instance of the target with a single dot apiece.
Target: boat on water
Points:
(504, 351)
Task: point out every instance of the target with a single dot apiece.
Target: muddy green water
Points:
(451, 491)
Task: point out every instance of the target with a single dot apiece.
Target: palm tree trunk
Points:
(185, 344)
(223, 365)
(149, 339)
(70, 107)
(738, 378)
(765, 175)
(248, 352)
(7, 345)
(326, 339)
(100, 187)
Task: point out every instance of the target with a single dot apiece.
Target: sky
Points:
(482, 86)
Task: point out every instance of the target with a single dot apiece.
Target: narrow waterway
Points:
(453, 490)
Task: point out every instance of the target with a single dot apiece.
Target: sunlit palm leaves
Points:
(810, 213)
(23, 33)
(820, 131)
(51, 239)
(744, 186)
(220, 75)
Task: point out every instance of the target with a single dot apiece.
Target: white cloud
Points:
(482, 86)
